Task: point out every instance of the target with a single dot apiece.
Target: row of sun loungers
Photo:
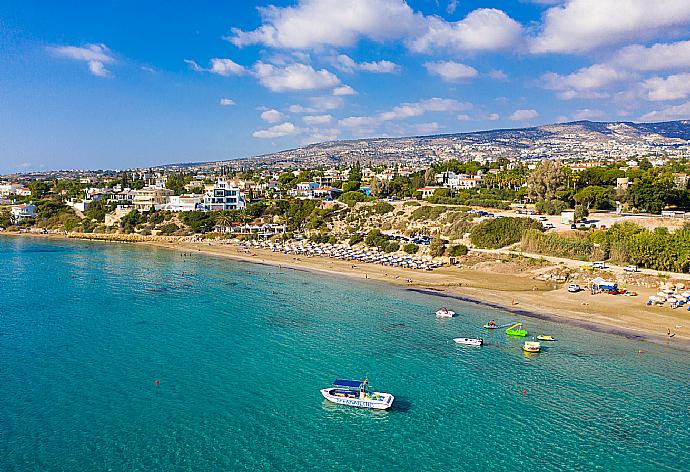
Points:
(347, 253)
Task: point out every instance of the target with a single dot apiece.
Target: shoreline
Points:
(471, 286)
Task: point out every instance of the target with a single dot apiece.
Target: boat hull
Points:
(445, 314)
(383, 404)
(469, 341)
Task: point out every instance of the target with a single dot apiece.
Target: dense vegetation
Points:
(501, 232)
(623, 243)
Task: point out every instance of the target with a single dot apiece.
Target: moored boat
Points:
(444, 312)
(545, 337)
(358, 394)
(531, 346)
(491, 325)
(516, 330)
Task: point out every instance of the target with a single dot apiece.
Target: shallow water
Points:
(241, 351)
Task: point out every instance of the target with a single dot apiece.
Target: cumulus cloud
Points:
(294, 77)
(677, 112)
(451, 71)
(271, 116)
(672, 87)
(277, 131)
(586, 82)
(427, 128)
(498, 75)
(96, 56)
(344, 90)
(660, 56)
(313, 23)
(406, 110)
(345, 63)
(325, 103)
(523, 115)
(317, 119)
(484, 29)
(226, 102)
(224, 67)
(583, 25)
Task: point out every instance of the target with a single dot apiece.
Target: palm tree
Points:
(223, 221)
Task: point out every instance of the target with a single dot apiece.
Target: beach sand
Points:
(517, 293)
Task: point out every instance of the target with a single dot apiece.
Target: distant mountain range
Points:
(577, 139)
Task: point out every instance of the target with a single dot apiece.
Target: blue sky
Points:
(116, 84)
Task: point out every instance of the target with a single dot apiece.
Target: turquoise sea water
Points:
(241, 351)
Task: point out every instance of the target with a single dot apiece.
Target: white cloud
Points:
(317, 119)
(678, 112)
(493, 117)
(271, 116)
(588, 114)
(582, 25)
(452, 6)
(294, 77)
(523, 115)
(96, 56)
(345, 63)
(313, 23)
(484, 29)
(498, 75)
(344, 90)
(226, 102)
(406, 110)
(660, 56)
(585, 82)
(300, 109)
(451, 71)
(224, 67)
(672, 87)
(277, 131)
(464, 117)
(325, 103)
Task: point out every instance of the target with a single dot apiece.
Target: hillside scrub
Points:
(501, 232)
(553, 244)
(427, 213)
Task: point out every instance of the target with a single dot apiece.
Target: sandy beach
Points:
(517, 293)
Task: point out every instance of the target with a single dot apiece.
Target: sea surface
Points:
(241, 350)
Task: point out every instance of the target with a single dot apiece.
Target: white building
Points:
(21, 212)
(455, 181)
(224, 196)
(151, 198)
(7, 189)
(184, 202)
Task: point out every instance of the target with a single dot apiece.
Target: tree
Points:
(544, 180)
(411, 248)
(457, 251)
(176, 183)
(594, 197)
(350, 198)
(437, 247)
(430, 176)
(376, 238)
(581, 212)
(39, 189)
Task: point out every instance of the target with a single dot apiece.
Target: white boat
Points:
(357, 393)
(469, 341)
(444, 312)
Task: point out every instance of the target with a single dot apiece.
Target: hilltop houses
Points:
(22, 212)
(455, 181)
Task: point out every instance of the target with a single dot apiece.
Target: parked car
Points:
(548, 225)
(631, 268)
(573, 226)
(574, 288)
(599, 265)
(543, 218)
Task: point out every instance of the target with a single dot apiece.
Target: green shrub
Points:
(501, 232)
(376, 238)
(412, 203)
(356, 238)
(391, 246)
(411, 248)
(427, 213)
(457, 251)
(437, 247)
(381, 208)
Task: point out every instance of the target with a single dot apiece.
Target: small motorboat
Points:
(357, 393)
(491, 325)
(444, 312)
(545, 337)
(516, 330)
(469, 341)
(531, 346)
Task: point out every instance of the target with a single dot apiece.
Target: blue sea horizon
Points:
(241, 350)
